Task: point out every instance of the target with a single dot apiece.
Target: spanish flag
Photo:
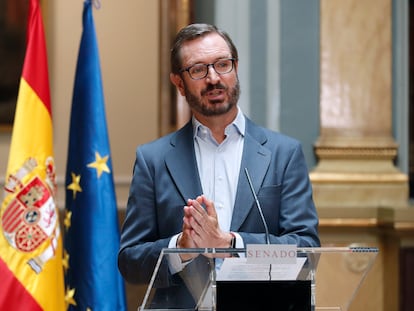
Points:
(31, 270)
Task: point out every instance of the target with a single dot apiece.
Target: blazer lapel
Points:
(256, 159)
(182, 165)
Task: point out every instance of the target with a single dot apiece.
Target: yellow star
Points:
(69, 297)
(65, 260)
(100, 164)
(67, 222)
(75, 185)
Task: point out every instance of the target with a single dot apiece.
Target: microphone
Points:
(258, 206)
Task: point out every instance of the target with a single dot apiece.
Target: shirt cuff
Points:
(174, 263)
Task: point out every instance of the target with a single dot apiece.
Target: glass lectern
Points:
(325, 278)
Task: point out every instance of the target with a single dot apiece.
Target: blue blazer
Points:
(165, 175)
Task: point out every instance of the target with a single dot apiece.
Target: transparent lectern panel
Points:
(188, 289)
(339, 274)
(320, 279)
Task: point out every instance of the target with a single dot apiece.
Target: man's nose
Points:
(212, 75)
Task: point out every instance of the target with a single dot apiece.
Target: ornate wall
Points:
(361, 196)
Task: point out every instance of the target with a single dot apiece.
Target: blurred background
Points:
(335, 74)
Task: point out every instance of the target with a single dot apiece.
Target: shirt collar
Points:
(239, 124)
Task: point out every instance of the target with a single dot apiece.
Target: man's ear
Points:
(178, 82)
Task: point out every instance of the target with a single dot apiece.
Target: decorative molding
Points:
(349, 222)
(357, 178)
(386, 153)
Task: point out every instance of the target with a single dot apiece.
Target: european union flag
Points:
(91, 222)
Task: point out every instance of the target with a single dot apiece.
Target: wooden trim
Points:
(174, 111)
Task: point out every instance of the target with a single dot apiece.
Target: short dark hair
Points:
(192, 32)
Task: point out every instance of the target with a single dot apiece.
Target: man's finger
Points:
(210, 209)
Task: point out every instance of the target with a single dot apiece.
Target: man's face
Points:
(216, 94)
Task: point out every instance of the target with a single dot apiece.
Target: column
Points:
(356, 149)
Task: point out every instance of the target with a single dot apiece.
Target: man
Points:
(189, 188)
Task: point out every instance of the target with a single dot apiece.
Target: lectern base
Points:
(263, 295)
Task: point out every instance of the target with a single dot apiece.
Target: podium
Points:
(321, 279)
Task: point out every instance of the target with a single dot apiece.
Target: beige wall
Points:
(128, 41)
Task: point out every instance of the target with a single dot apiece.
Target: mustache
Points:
(212, 87)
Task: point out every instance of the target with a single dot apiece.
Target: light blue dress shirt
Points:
(218, 167)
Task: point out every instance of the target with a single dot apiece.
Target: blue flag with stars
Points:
(91, 226)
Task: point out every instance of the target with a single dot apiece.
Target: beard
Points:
(213, 108)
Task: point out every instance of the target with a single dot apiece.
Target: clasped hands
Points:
(201, 228)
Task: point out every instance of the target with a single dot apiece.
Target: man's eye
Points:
(197, 69)
(222, 65)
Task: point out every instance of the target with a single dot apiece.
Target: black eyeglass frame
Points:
(207, 67)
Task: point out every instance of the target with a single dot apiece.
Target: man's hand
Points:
(202, 224)
(185, 240)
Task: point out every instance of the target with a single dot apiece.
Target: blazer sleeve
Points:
(140, 243)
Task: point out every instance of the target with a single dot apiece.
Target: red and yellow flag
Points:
(31, 270)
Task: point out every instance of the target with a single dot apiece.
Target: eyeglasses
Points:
(200, 71)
